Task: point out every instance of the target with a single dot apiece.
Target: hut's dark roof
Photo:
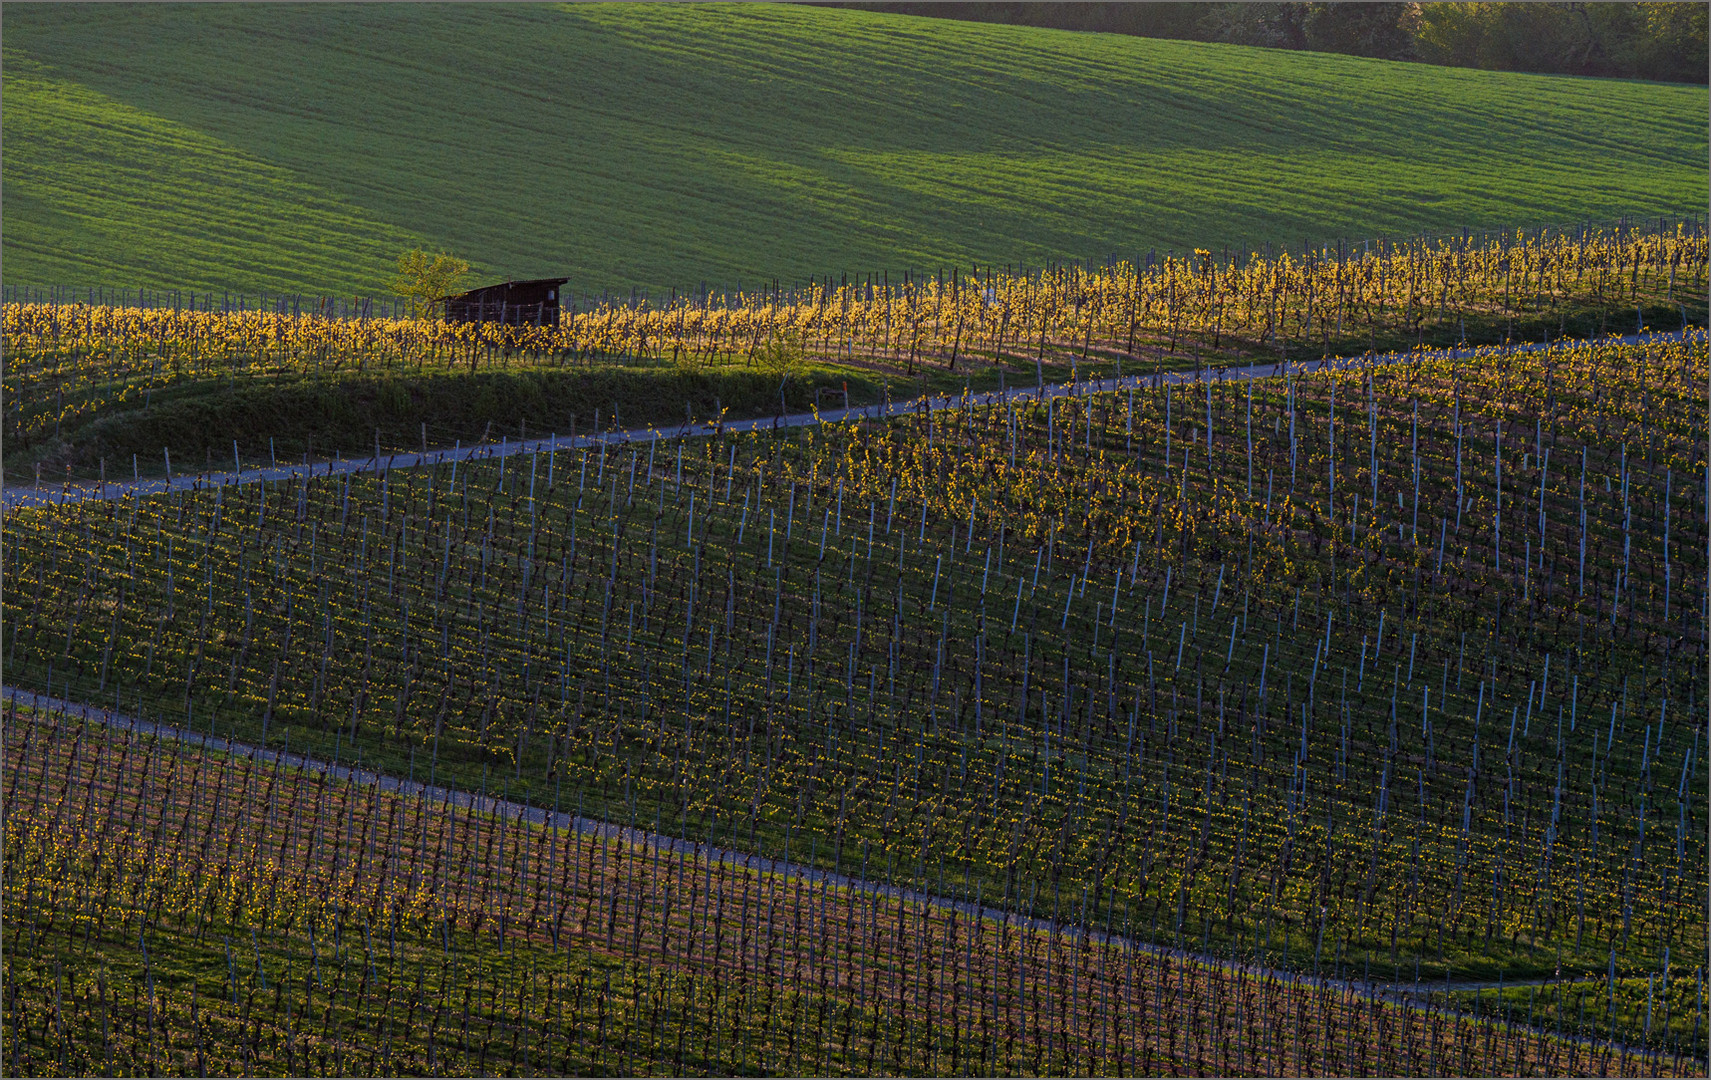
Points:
(507, 285)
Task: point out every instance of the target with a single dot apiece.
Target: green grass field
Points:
(300, 148)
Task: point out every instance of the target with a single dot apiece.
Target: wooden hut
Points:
(519, 303)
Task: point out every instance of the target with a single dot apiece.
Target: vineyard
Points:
(92, 389)
(374, 933)
(960, 654)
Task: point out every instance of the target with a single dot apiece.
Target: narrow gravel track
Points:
(1412, 994)
(21, 496)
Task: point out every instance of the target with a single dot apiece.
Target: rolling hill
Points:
(301, 148)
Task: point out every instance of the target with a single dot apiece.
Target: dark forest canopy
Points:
(1659, 41)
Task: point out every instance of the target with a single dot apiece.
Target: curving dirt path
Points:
(21, 496)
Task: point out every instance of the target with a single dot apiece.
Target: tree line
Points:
(1659, 41)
